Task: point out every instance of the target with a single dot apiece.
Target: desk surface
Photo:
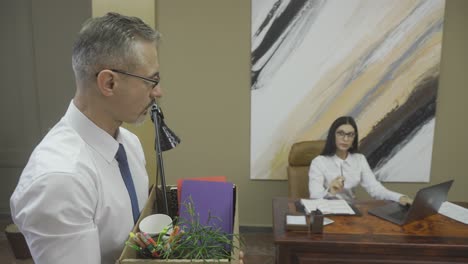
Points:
(366, 238)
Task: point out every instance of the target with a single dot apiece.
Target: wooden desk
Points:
(368, 239)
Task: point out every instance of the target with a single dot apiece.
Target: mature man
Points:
(85, 183)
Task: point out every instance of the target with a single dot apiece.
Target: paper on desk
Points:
(327, 206)
(327, 221)
(301, 220)
(296, 220)
(454, 211)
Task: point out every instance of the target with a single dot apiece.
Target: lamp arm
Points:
(156, 118)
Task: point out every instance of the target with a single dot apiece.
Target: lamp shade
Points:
(167, 138)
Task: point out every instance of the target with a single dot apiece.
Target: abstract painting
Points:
(376, 60)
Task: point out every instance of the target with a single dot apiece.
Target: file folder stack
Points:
(209, 198)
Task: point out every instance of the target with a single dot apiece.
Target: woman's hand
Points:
(336, 185)
(405, 200)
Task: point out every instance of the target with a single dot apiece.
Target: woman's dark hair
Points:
(330, 145)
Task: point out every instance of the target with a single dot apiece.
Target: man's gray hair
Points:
(108, 42)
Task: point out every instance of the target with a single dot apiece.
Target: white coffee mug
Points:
(155, 224)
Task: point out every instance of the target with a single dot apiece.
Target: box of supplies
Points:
(17, 242)
(131, 256)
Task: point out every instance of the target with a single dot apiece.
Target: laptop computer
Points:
(426, 203)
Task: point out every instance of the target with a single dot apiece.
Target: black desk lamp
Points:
(165, 140)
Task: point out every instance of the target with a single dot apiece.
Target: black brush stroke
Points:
(420, 108)
(270, 15)
(278, 27)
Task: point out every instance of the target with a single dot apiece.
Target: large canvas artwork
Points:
(375, 60)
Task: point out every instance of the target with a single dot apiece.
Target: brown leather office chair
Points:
(300, 156)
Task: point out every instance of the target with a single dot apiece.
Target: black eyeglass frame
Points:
(343, 135)
(153, 81)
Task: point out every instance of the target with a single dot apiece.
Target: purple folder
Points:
(216, 198)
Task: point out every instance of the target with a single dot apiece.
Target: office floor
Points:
(258, 247)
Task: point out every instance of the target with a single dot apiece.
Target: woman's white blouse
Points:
(355, 169)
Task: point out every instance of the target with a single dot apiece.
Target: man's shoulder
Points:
(60, 155)
(62, 150)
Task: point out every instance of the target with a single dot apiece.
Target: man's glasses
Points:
(154, 82)
(343, 135)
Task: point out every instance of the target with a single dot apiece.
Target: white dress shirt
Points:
(71, 203)
(355, 170)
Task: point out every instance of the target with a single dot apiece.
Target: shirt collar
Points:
(339, 161)
(94, 136)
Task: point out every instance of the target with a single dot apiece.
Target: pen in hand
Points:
(342, 175)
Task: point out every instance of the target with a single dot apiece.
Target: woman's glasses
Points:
(343, 135)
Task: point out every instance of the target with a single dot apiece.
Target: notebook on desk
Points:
(426, 203)
(327, 206)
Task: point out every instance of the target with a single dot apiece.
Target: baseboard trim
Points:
(255, 229)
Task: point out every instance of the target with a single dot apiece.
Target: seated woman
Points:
(340, 167)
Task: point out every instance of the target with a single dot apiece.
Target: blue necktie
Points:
(121, 158)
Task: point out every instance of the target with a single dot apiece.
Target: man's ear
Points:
(106, 82)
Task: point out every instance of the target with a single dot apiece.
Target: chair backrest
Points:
(300, 156)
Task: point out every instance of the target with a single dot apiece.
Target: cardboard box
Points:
(130, 256)
(17, 242)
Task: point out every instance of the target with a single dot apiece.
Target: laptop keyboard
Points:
(401, 213)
